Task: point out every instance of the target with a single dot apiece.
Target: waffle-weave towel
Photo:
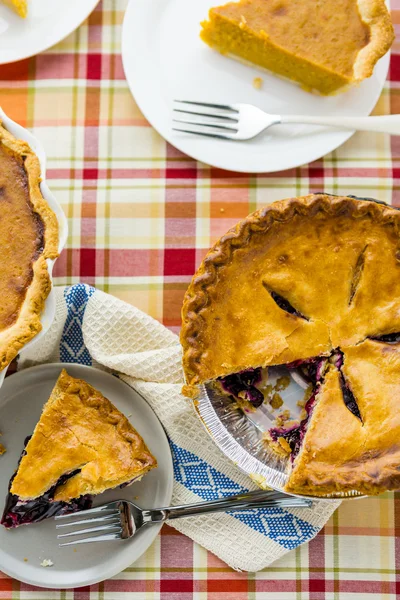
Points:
(94, 328)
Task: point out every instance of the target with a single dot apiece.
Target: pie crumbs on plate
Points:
(46, 563)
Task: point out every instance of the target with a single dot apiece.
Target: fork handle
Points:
(385, 124)
(257, 499)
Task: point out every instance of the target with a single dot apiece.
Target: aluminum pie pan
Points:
(241, 440)
(49, 311)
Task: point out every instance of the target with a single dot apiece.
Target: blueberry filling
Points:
(349, 398)
(337, 359)
(285, 305)
(243, 386)
(388, 338)
(24, 512)
(312, 369)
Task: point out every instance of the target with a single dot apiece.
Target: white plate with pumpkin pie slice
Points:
(175, 63)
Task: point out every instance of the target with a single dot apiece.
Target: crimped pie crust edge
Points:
(197, 296)
(89, 396)
(28, 323)
(376, 16)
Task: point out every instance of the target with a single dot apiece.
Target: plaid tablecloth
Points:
(141, 217)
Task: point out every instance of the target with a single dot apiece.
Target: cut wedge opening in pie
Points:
(28, 237)
(81, 446)
(324, 46)
(312, 283)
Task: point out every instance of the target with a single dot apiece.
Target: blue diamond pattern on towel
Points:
(72, 347)
(202, 479)
(191, 471)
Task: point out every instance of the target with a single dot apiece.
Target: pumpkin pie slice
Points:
(81, 446)
(28, 236)
(324, 45)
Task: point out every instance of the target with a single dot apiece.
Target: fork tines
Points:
(109, 517)
(222, 118)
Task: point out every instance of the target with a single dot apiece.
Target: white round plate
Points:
(21, 401)
(164, 59)
(48, 22)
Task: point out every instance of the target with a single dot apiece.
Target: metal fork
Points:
(245, 121)
(121, 519)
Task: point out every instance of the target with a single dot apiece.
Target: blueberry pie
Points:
(81, 446)
(28, 236)
(312, 283)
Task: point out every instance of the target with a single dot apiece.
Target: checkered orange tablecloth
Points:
(141, 217)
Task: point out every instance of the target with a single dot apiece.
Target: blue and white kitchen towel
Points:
(94, 328)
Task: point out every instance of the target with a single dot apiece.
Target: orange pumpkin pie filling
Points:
(28, 236)
(322, 45)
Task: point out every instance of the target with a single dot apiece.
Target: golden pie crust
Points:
(340, 452)
(337, 261)
(304, 40)
(80, 429)
(28, 236)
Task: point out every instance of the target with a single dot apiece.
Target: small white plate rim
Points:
(49, 577)
(39, 43)
(144, 76)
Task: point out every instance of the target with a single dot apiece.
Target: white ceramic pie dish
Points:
(50, 305)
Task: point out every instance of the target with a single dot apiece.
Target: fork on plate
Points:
(245, 121)
(121, 519)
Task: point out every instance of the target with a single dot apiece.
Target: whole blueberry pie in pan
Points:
(28, 236)
(81, 446)
(312, 283)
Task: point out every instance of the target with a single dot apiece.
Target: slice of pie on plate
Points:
(312, 283)
(81, 446)
(323, 45)
(28, 236)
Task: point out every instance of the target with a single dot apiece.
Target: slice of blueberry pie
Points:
(81, 446)
(312, 283)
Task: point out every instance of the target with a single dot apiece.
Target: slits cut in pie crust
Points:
(303, 278)
(25, 285)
